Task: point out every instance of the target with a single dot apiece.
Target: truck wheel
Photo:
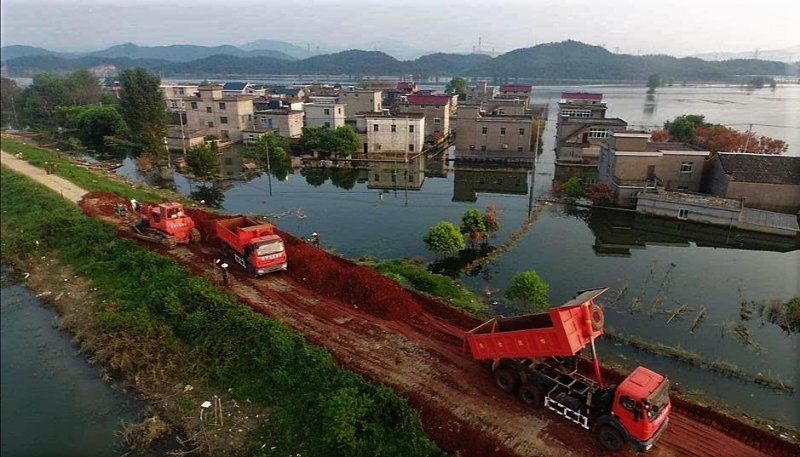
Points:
(596, 316)
(506, 380)
(169, 242)
(610, 438)
(531, 394)
(194, 235)
(251, 270)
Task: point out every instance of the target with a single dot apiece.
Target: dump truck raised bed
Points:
(253, 245)
(536, 356)
(166, 224)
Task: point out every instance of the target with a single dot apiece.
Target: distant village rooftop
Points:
(581, 96)
(524, 88)
(695, 199)
(761, 168)
(428, 99)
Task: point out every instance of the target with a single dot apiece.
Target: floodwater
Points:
(385, 209)
(53, 402)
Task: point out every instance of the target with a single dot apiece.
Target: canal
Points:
(384, 210)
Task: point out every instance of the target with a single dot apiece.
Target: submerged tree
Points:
(203, 160)
(653, 83)
(444, 238)
(529, 287)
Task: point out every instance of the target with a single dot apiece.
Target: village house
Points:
(631, 164)
(509, 106)
(435, 108)
(767, 182)
(224, 116)
(480, 93)
(504, 136)
(290, 94)
(382, 133)
(402, 174)
(287, 123)
(323, 114)
(581, 105)
(515, 91)
(242, 88)
(360, 101)
(176, 94)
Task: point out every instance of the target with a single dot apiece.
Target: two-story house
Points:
(360, 101)
(224, 116)
(382, 133)
(479, 93)
(435, 108)
(631, 164)
(323, 114)
(501, 136)
(515, 91)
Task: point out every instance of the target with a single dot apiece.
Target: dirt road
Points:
(65, 188)
(414, 344)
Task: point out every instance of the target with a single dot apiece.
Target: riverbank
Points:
(5, 193)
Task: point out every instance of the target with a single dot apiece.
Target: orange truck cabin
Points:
(253, 245)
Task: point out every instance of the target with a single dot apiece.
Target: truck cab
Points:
(640, 411)
(266, 254)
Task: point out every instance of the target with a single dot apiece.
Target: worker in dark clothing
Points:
(315, 239)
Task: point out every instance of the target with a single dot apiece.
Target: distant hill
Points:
(275, 45)
(786, 55)
(183, 52)
(564, 61)
(16, 50)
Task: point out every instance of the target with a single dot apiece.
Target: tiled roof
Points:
(405, 85)
(516, 88)
(428, 99)
(293, 91)
(581, 96)
(761, 168)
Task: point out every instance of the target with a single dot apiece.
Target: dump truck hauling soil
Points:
(414, 344)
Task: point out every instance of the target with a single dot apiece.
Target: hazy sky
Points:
(677, 27)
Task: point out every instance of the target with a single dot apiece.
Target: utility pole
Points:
(183, 135)
(747, 141)
(269, 168)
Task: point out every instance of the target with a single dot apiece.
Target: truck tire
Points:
(531, 394)
(251, 270)
(610, 438)
(169, 242)
(506, 380)
(597, 317)
(194, 235)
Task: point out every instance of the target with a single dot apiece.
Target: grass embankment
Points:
(79, 175)
(415, 276)
(165, 323)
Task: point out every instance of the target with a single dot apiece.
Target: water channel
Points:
(54, 402)
(385, 209)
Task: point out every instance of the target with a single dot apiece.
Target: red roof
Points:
(581, 96)
(428, 99)
(406, 85)
(516, 88)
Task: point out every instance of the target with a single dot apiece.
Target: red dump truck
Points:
(254, 245)
(536, 356)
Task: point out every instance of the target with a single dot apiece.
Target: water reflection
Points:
(618, 232)
(469, 179)
(650, 106)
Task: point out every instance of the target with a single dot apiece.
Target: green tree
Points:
(96, 122)
(344, 178)
(473, 225)
(653, 83)
(444, 238)
(342, 141)
(9, 96)
(457, 85)
(144, 109)
(203, 160)
(682, 127)
(572, 188)
(528, 286)
(313, 137)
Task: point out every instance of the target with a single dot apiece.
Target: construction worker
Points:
(315, 239)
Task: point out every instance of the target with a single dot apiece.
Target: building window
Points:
(411, 147)
(326, 111)
(683, 188)
(394, 128)
(686, 167)
(224, 133)
(410, 129)
(327, 125)
(180, 91)
(502, 130)
(436, 120)
(339, 110)
(472, 147)
(221, 105)
(598, 133)
(484, 130)
(223, 120)
(483, 148)
(210, 124)
(378, 147)
(208, 109)
(375, 128)
(683, 213)
(521, 132)
(249, 117)
(194, 105)
(519, 148)
(576, 113)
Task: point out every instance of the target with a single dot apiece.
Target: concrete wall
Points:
(384, 140)
(360, 101)
(318, 114)
(223, 117)
(437, 117)
(651, 204)
(287, 124)
(782, 198)
(471, 137)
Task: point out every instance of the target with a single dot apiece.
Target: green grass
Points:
(78, 175)
(319, 408)
(414, 276)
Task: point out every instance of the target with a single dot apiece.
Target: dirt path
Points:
(67, 190)
(414, 344)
